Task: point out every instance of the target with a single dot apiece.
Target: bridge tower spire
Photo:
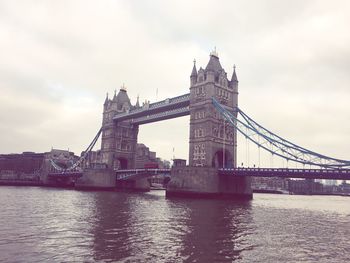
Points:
(194, 73)
(234, 86)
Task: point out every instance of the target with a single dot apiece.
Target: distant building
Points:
(305, 186)
(180, 162)
(145, 157)
(28, 163)
(344, 187)
(62, 158)
(20, 163)
(330, 189)
(330, 182)
(269, 183)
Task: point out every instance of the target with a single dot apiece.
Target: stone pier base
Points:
(204, 182)
(96, 179)
(139, 185)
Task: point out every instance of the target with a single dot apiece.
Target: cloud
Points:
(58, 60)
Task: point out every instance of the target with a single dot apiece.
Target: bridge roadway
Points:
(63, 174)
(139, 173)
(332, 174)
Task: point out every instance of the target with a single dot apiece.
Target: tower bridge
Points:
(212, 171)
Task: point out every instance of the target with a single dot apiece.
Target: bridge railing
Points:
(143, 170)
(126, 174)
(332, 174)
(287, 170)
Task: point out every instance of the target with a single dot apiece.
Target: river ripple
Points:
(56, 225)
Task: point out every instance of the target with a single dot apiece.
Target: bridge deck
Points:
(336, 174)
(138, 173)
(66, 174)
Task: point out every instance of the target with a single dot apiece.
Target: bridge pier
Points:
(97, 179)
(137, 185)
(206, 182)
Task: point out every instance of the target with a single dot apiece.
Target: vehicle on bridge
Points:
(151, 165)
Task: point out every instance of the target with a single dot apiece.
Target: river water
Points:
(57, 225)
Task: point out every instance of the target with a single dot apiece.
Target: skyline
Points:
(61, 58)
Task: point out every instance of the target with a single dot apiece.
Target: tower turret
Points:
(194, 74)
(213, 68)
(234, 86)
(234, 80)
(122, 100)
(105, 104)
(137, 105)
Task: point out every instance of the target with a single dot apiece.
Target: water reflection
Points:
(217, 230)
(110, 226)
(40, 225)
(146, 227)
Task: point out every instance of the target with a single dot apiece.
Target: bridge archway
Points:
(121, 163)
(221, 160)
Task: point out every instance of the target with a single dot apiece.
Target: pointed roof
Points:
(115, 95)
(137, 102)
(234, 76)
(214, 63)
(122, 97)
(106, 100)
(194, 70)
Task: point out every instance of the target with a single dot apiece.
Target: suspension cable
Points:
(283, 148)
(82, 158)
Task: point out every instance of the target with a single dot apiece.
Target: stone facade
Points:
(205, 182)
(143, 157)
(119, 140)
(96, 179)
(212, 140)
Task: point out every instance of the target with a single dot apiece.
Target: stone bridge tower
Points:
(119, 140)
(213, 143)
(212, 140)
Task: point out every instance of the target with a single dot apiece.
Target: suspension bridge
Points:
(329, 168)
(215, 122)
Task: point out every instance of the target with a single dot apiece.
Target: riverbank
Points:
(20, 183)
(9, 182)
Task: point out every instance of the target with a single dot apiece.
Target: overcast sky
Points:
(59, 58)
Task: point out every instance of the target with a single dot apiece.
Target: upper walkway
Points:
(158, 111)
